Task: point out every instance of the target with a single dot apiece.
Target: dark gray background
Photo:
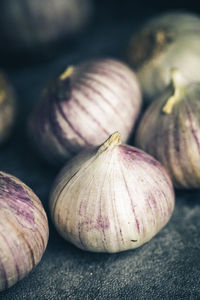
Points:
(168, 267)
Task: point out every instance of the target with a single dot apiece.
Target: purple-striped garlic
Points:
(170, 131)
(166, 41)
(7, 108)
(111, 199)
(83, 107)
(23, 230)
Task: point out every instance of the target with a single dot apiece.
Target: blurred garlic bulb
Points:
(170, 131)
(27, 25)
(83, 106)
(111, 199)
(23, 230)
(167, 41)
(7, 108)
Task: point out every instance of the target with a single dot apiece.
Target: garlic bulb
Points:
(23, 230)
(111, 199)
(167, 41)
(27, 25)
(169, 130)
(7, 108)
(83, 107)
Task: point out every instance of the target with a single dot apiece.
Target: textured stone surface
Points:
(168, 267)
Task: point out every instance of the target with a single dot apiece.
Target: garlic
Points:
(111, 199)
(23, 230)
(83, 107)
(28, 26)
(169, 130)
(7, 108)
(167, 41)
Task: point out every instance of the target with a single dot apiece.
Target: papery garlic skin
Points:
(166, 41)
(23, 230)
(111, 199)
(83, 107)
(7, 108)
(173, 136)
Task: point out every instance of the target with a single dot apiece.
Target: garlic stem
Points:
(178, 84)
(67, 73)
(111, 142)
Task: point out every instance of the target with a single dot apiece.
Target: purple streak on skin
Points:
(151, 201)
(82, 90)
(132, 153)
(93, 119)
(111, 67)
(13, 255)
(26, 200)
(107, 87)
(108, 74)
(101, 224)
(177, 141)
(70, 124)
(168, 203)
(119, 76)
(55, 127)
(90, 87)
(120, 230)
(176, 135)
(138, 155)
(194, 132)
(16, 197)
(133, 210)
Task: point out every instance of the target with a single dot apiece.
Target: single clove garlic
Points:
(112, 198)
(169, 130)
(84, 106)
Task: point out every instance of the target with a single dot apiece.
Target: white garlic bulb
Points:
(167, 41)
(111, 199)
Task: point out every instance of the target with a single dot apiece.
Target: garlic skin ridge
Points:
(112, 198)
(173, 136)
(83, 107)
(166, 41)
(23, 230)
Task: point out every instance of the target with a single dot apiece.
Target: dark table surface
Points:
(168, 267)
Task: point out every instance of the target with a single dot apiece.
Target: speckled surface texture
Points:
(168, 267)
